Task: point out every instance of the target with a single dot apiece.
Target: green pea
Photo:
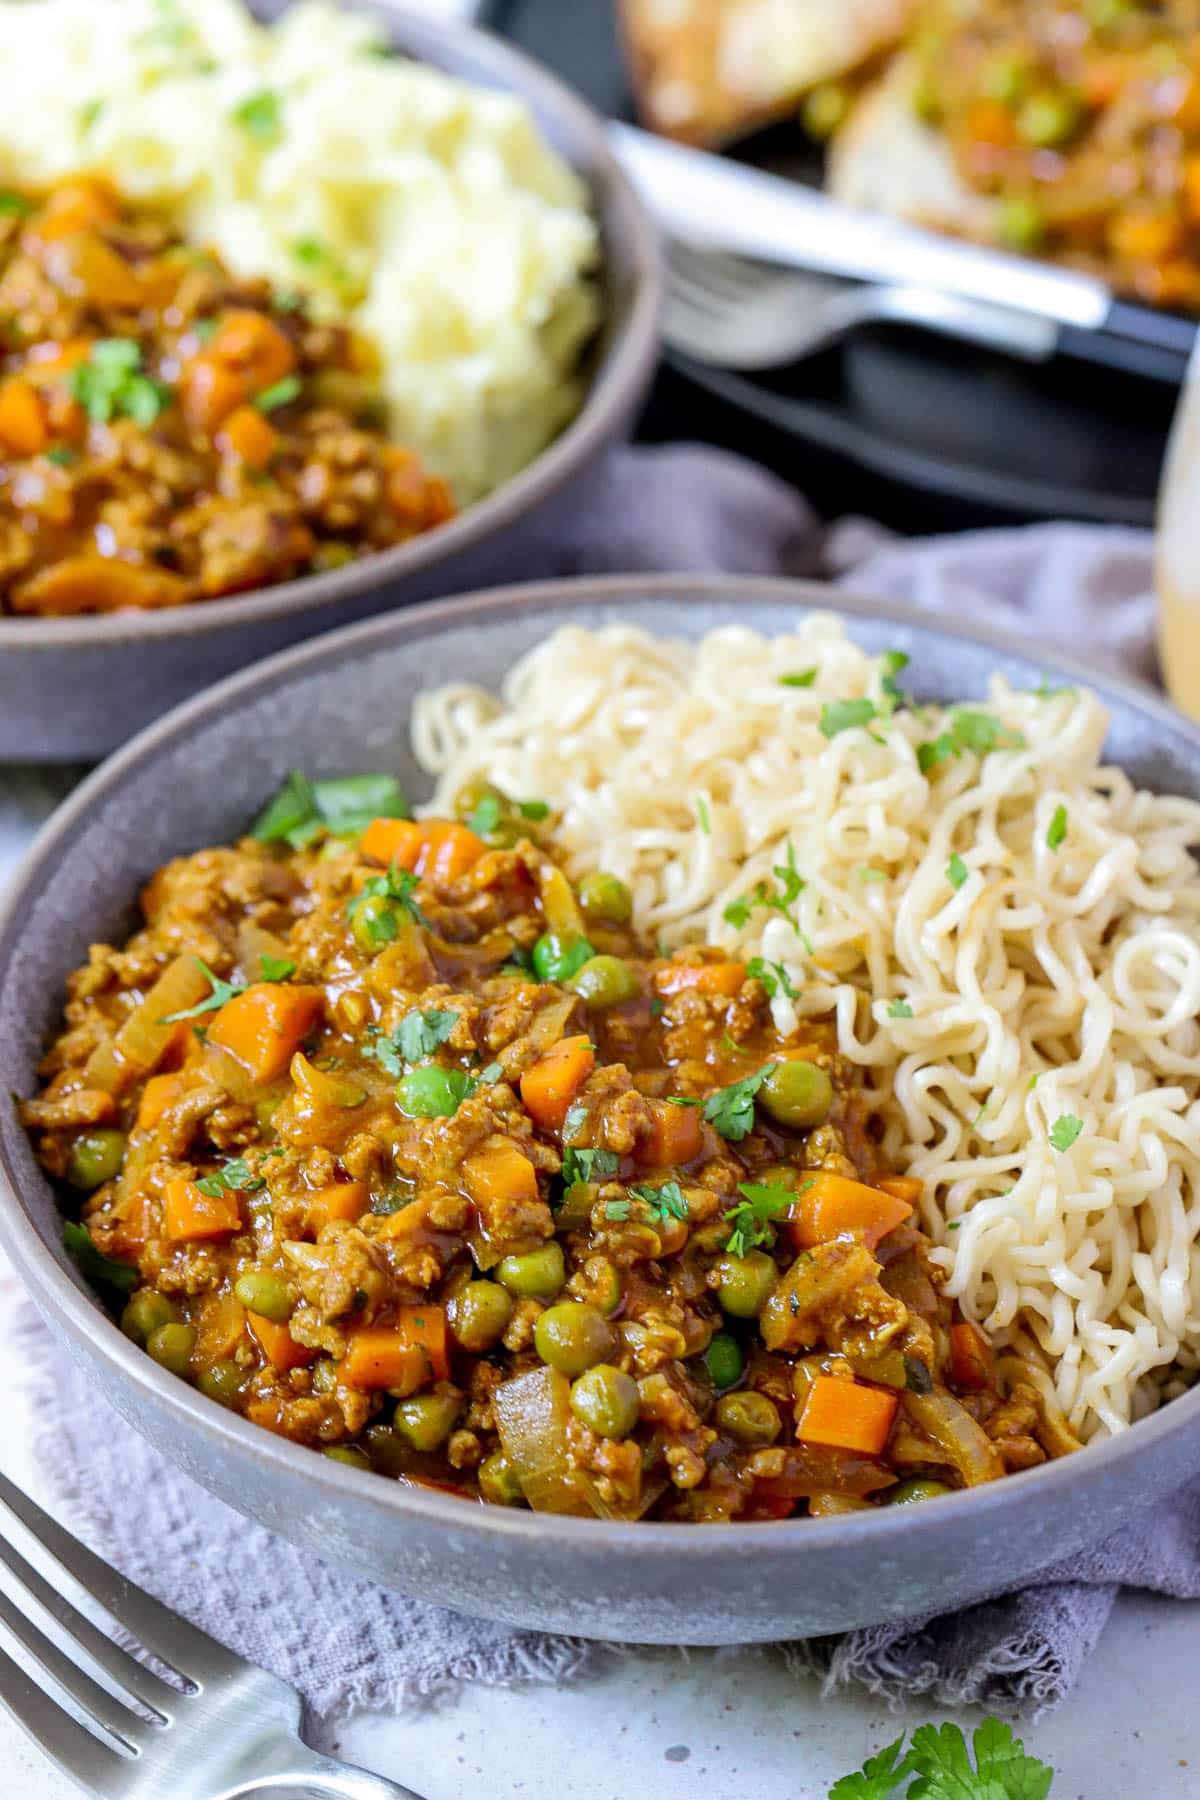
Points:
(1022, 222)
(1049, 118)
(556, 958)
(606, 1399)
(749, 1417)
(171, 1346)
(261, 1292)
(724, 1360)
(825, 109)
(605, 981)
(605, 899)
(1005, 79)
(430, 1092)
(908, 1493)
(607, 1285)
(221, 1382)
(745, 1283)
(426, 1420)
(797, 1094)
(376, 923)
(346, 1453)
(571, 1337)
(498, 1481)
(96, 1157)
(538, 1274)
(479, 1315)
(472, 794)
(145, 1311)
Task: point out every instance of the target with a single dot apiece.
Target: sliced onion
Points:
(959, 1439)
(140, 1044)
(531, 1417)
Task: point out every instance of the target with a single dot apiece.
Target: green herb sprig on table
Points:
(939, 1766)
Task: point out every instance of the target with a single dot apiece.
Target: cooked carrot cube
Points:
(675, 1136)
(449, 851)
(264, 1027)
(972, 1364)
(549, 1085)
(159, 1093)
(500, 1177)
(277, 1343)
(903, 1187)
(254, 346)
(23, 428)
(343, 1200)
(847, 1415)
(188, 1213)
(210, 391)
(403, 1357)
(249, 436)
(397, 842)
(701, 978)
(829, 1205)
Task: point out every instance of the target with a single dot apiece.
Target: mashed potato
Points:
(428, 213)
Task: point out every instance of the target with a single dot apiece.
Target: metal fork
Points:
(737, 314)
(228, 1730)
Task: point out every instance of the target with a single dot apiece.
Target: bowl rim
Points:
(80, 1316)
(625, 368)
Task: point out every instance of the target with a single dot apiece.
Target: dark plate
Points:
(924, 434)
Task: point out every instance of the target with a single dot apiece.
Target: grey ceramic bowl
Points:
(73, 689)
(340, 705)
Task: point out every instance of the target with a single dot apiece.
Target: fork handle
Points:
(291, 1771)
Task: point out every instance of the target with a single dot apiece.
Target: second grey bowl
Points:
(342, 704)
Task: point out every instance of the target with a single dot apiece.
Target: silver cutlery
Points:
(220, 1730)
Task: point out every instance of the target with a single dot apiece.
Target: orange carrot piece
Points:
(277, 1343)
(847, 1416)
(157, 1095)
(406, 1222)
(902, 1187)
(500, 1177)
(549, 1085)
(187, 1213)
(249, 436)
(23, 428)
(405, 1356)
(209, 391)
(675, 1136)
(829, 1206)
(343, 1200)
(75, 206)
(253, 345)
(701, 978)
(972, 1364)
(393, 841)
(449, 851)
(264, 1027)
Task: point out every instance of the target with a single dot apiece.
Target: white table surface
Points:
(728, 1723)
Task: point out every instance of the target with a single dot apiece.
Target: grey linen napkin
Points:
(346, 1644)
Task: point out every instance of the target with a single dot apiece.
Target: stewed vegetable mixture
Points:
(395, 1143)
(169, 433)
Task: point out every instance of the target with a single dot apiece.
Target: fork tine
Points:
(64, 1740)
(92, 1699)
(131, 1676)
(190, 1652)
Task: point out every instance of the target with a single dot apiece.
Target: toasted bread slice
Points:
(884, 159)
(707, 71)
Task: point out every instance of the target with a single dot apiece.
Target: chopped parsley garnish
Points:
(89, 112)
(893, 662)
(900, 1009)
(1056, 831)
(62, 455)
(287, 301)
(845, 715)
(277, 968)
(282, 393)
(1044, 691)
(804, 678)
(774, 977)
(101, 1270)
(751, 1217)
(731, 1109)
(111, 384)
(617, 1210)
(658, 1007)
(312, 254)
(303, 809)
(968, 729)
(259, 115)
(1065, 1129)
(221, 992)
(419, 1033)
(956, 871)
(486, 816)
(533, 809)
(233, 1177)
(682, 1100)
(586, 1165)
(397, 886)
(702, 813)
(205, 330)
(780, 900)
(12, 202)
(868, 874)
(665, 1202)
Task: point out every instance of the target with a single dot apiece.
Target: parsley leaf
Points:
(956, 871)
(302, 809)
(893, 662)
(281, 393)
(665, 1202)
(1056, 831)
(312, 254)
(968, 729)
(233, 1177)
(900, 1009)
(940, 1757)
(751, 1217)
(681, 1100)
(221, 992)
(804, 679)
(877, 1778)
(112, 385)
(617, 1209)
(780, 900)
(486, 816)
(844, 715)
(12, 202)
(533, 809)
(702, 814)
(386, 1052)
(731, 1109)
(774, 977)
(277, 968)
(419, 1033)
(62, 455)
(397, 885)
(1065, 1129)
(585, 1165)
(259, 115)
(101, 1270)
